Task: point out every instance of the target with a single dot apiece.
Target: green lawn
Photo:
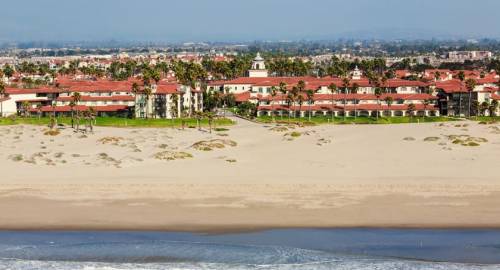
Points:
(117, 122)
(358, 120)
(486, 118)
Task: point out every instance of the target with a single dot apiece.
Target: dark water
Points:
(272, 249)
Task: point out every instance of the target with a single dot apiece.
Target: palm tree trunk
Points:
(309, 112)
(470, 100)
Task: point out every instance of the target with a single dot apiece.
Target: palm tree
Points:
(493, 107)
(483, 108)
(470, 84)
(389, 100)
(72, 106)
(135, 90)
(39, 110)
(2, 96)
(198, 116)
(283, 90)
(354, 90)
(333, 90)
(345, 84)
(295, 94)
(411, 110)
(426, 103)
(76, 97)
(461, 77)
(290, 99)
(147, 94)
(300, 99)
(26, 106)
(210, 117)
(174, 108)
(437, 76)
(378, 94)
(274, 92)
(92, 115)
(310, 99)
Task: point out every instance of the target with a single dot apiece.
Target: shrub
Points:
(52, 132)
(431, 139)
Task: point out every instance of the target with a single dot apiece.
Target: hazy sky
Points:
(237, 20)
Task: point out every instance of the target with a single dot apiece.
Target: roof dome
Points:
(258, 57)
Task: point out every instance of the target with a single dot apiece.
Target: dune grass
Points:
(117, 122)
(357, 120)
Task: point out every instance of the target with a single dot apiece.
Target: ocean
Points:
(271, 249)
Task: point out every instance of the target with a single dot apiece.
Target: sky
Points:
(245, 20)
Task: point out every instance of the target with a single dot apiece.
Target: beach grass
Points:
(486, 119)
(117, 122)
(357, 120)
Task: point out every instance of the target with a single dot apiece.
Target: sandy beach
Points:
(250, 177)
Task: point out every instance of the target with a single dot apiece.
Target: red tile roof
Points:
(101, 98)
(108, 108)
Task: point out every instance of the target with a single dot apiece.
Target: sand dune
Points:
(251, 176)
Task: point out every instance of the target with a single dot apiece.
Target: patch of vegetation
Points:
(52, 132)
(16, 157)
(408, 139)
(279, 129)
(221, 129)
(170, 155)
(213, 144)
(431, 139)
(466, 140)
(110, 140)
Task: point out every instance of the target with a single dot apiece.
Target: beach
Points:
(251, 177)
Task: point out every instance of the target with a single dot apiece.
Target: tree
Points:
(25, 106)
(354, 90)
(426, 103)
(345, 84)
(437, 76)
(333, 91)
(300, 100)
(147, 95)
(493, 107)
(310, 100)
(8, 71)
(2, 96)
(135, 90)
(274, 92)
(210, 117)
(198, 116)
(39, 110)
(294, 94)
(76, 97)
(470, 84)
(72, 107)
(389, 100)
(283, 90)
(378, 94)
(411, 110)
(174, 108)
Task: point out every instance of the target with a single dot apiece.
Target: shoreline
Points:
(346, 176)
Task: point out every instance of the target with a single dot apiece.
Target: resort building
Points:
(106, 98)
(438, 92)
(359, 97)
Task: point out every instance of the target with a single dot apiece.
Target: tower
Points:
(258, 67)
(357, 74)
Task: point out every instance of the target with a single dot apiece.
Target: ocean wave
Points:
(9, 264)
